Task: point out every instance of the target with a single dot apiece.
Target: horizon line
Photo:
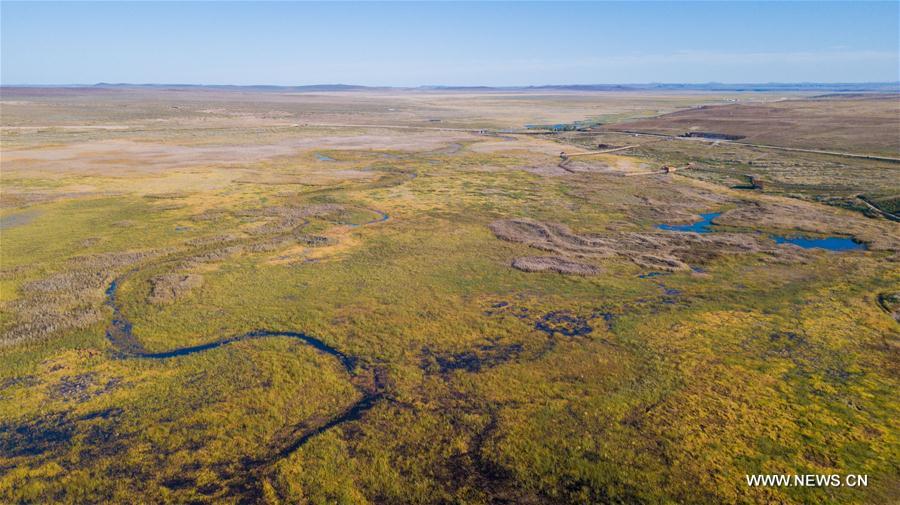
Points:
(439, 86)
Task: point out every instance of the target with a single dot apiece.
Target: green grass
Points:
(755, 366)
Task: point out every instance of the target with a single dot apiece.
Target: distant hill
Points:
(256, 87)
(851, 87)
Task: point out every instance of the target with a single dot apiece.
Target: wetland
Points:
(221, 296)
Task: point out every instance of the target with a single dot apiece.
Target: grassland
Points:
(862, 122)
(663, 367)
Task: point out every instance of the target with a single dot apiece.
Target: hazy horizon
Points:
(439, 86)
(448, 44)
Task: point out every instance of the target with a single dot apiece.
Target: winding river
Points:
(120, 335)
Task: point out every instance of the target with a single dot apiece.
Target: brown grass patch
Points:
(169, 287)
(67, 300)
(669, 251)
(866, 125)
(553, 264)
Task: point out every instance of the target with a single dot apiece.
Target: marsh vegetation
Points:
(212, 297)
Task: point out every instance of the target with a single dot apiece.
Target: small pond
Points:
(828, 243)
(702, 226)
(18, 219)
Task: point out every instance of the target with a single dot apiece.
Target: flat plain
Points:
(246, 296)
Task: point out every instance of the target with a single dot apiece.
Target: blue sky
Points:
(411, 44)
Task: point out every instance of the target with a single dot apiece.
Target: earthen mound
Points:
(553, 264)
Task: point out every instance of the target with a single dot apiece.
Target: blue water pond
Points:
(702, 226)
(827, 243)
